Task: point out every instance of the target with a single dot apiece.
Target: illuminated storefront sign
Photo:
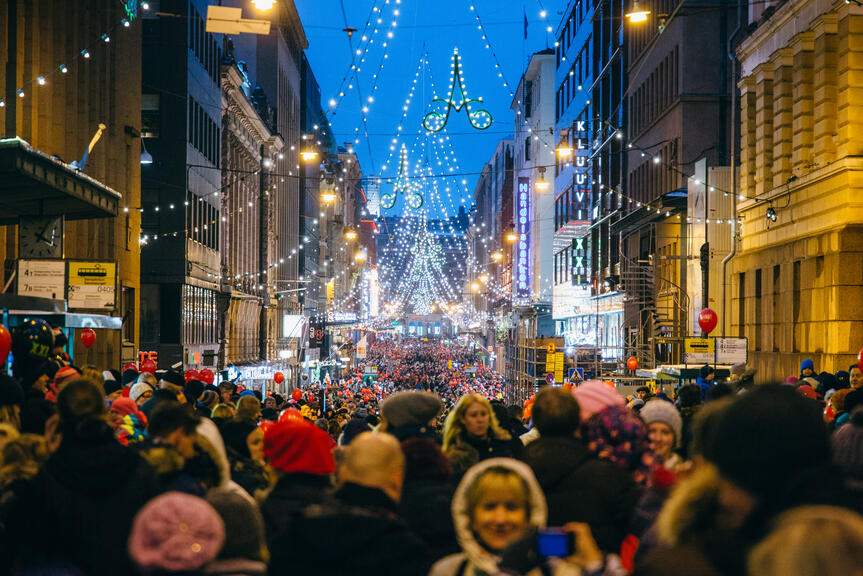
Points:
(523, 227)
(579, 265)
(581, 183)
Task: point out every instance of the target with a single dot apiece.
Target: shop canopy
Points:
(33, 183)
(15, 309)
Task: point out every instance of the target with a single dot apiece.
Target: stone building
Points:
(797, 279)
(71, 70)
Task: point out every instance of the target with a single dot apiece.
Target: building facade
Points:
(64, 210)
(795, 283)
(590, 62)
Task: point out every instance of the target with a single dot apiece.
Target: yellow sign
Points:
(549, 363)
(331, 290)
(550, 348)
(92, 285)
(558, 363)
(699, 351)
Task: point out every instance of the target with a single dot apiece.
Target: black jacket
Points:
(581, 488)
(78, 510)
(425, 507)
(468, 450)
(36, 411)
(286, 501)
(357, 532)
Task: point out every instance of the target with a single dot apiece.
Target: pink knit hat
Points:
(176, 532)
(594, 396)
(124, 406)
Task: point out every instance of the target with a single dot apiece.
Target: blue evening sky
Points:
(439, 25)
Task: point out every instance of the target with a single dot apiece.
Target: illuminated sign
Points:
(581, 183)
(579, 263)
(523, 227)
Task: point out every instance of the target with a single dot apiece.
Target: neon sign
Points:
(580, 179)
(523, 227)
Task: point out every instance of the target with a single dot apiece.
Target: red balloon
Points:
(88, 337)
(632, 363)
(707, 320)
(859, 360)
(297, 394)
(206, 376)
(190, 375)
(148, 365)
(5, 344)
(278, 377)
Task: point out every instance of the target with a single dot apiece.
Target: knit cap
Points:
(65, 375)
(139, 389)
(848, 446)
(807, 364)
(410, 407)
(594, 396)
(657, 410)
(129, 376)
(124, 407)
(295, 446)
(176, 532)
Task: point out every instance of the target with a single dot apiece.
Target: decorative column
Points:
(825, 88)
(802, 46)
(783, 115)
(763, 128)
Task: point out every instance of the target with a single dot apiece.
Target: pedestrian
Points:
(807, 369)
(83, 500)
(244, 442)
(705, 381)
(170, 390)
(664, 429)
(130, 424)
(244, 552)
(497, 506)
(143, 389)
(365, 507)
(578, 486)
(788, 549)
(472, 434)
(856, 376)
(847, 445)
(11, 401)
(616, 434)
(175, 533)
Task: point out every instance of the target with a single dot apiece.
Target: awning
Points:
(33, 183)
(16, 309)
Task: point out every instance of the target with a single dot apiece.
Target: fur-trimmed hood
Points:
(478, 556)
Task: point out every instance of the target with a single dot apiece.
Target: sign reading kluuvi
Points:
(523, 230)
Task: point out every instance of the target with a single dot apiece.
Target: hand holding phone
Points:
(555, 543)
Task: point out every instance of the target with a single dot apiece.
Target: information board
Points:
(699, 351)
(92, 285)
(42, 278)
(732, 351)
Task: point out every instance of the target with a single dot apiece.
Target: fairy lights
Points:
(436, 121)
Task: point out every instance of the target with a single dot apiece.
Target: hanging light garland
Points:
(479, 119)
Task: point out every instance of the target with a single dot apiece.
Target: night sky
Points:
(438, 26)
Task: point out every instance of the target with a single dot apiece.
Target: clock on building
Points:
(40, 237)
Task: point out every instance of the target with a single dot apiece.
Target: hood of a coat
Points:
(476, 553)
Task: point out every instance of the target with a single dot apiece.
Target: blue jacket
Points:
(705, 386)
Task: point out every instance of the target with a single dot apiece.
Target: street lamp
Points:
(360, 256)
(637, 14)
(475, 286)
(511, 237)
(542, 184)
(564, 151)
(497, 256)
(263, 5)
(308, 155)
(328, 196)
(351, 234)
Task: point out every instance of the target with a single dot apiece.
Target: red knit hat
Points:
(295, 446)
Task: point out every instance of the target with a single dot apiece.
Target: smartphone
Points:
(555, 543)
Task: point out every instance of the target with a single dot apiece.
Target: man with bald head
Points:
(359, 532)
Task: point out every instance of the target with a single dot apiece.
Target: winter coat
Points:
(130, 429)
(357, 532)
(581, 488)
(36, 411)
(467, 450)
(706, 386)
(474, 559)
(286, 501)
(425, 507)
(250, 475)
(79, 509)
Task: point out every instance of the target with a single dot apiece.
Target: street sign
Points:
(549, 378)
(731, 350)
(550, 348)
(42, 278)
(92, 285)
(579, 371)
(699, 351)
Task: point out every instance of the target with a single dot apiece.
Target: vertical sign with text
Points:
(581, 182)
(523, 229)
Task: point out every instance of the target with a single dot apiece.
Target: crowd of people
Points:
(413, 464)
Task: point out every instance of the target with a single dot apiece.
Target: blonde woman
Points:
(496, 510)
(472, 434)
